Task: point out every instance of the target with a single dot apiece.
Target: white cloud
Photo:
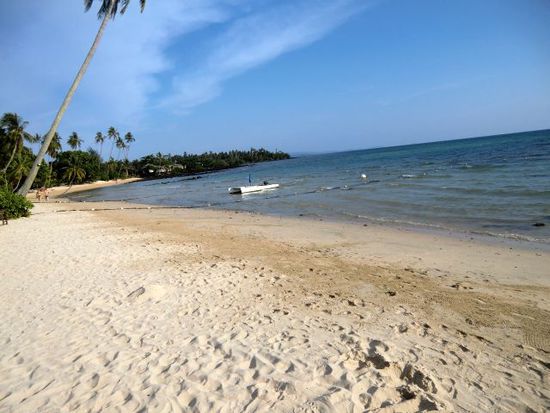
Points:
(255, 39)
(40, 60)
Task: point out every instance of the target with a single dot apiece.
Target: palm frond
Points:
(125, 4)
(88, 4)
(106, 4)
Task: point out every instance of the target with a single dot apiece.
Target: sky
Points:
(301, 76)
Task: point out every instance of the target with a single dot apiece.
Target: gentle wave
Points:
(473, 185)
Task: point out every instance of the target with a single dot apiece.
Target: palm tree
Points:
(20, 168)
(99, 138)
(74, 141)
(53, 151)
(55, 146)
(74, 173)
(129, 138)
(107, 10)
(113, 135)
(120, 145)
(14, 129)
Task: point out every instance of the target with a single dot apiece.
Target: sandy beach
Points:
(63, 190)
(116, 307)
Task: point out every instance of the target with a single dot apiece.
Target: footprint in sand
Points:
(153, 292)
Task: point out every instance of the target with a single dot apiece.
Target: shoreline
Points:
(436, 230)
(344, 218)
(59, 192)
(211, 310)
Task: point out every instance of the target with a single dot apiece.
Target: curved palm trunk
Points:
(111, 153)
(19, 181)
(43, 149)
(5, 169)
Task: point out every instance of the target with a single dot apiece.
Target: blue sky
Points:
(298, 76)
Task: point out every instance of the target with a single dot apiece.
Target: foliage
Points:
(55, 146)
(171, 165)
(13, 137)
(14, 205)
(43, 178)
(77, 162)
(74, 141)
(74, 173)
(107, 11)
(104, 8)
(18, 168)
(77, 166)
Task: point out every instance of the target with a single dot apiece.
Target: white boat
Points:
(251, 188)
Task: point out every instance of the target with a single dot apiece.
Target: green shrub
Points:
(14, 205)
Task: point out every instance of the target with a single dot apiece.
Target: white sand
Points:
(62, 190)
(209, 311)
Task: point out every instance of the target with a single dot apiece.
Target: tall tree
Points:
(129, 139)
(74, 173)
(113, 135)
(20, 168)
(55, 146)
(120, 146)
(99, 139)
(14, 131)
(74, 141)
(107, 10)
(53, 150)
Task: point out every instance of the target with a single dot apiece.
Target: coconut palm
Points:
(113, 135)
(129, 139)
(53, 151)
(99, 139)
(74, 141)
(55, 146)
(120, 145)
(14, 131)
(107, 11)
(74, 173)
(20, 167)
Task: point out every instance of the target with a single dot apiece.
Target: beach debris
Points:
(137, 293)
(461, 286)
(391, 293)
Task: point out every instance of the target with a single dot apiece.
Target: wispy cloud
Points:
(40, 60)
(135, 69)
(255, 39)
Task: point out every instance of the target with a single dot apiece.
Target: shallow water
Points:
(496, 185)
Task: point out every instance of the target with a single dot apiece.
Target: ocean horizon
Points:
(496, 185)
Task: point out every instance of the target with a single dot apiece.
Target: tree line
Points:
(51, 165)
(108, 9)
(75, 166)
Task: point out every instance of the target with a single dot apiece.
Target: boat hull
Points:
(251, 188)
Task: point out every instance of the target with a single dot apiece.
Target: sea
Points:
(497, 186)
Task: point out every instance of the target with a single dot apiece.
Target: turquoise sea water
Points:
(497, 185)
